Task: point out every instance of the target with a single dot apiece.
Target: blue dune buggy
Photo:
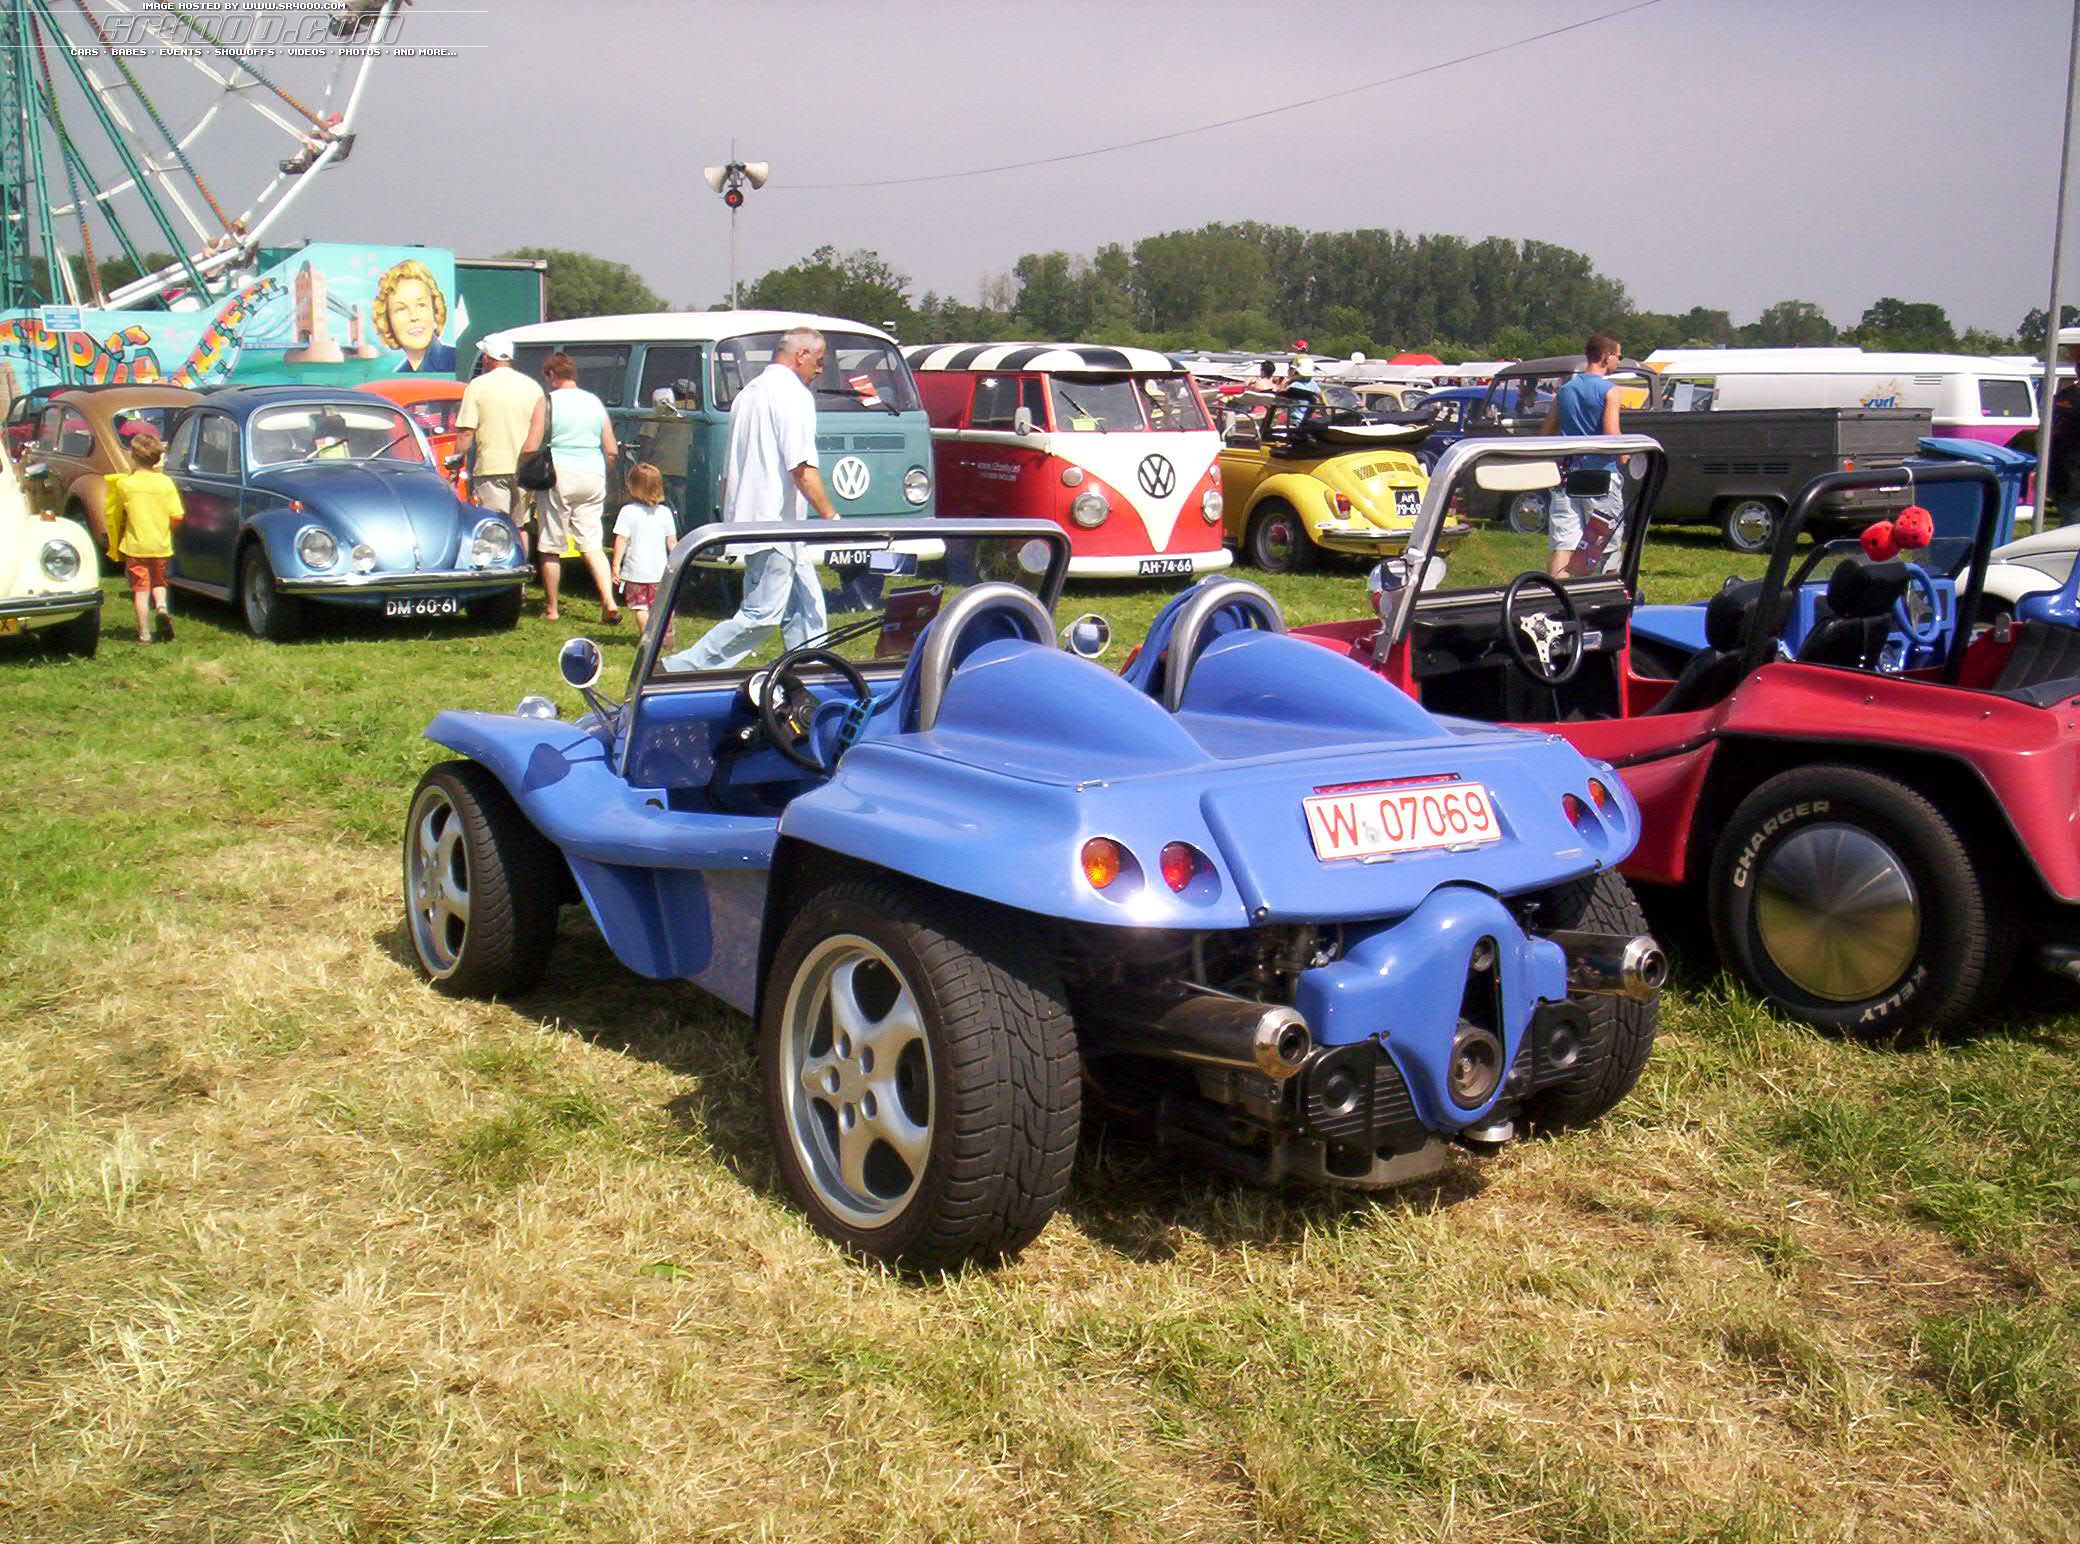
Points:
(965, 878)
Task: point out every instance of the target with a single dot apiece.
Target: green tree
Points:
(1791, 324)
(1183, 276)
(2031, 333)
(583, 285)
(1984, 340)
(1053, 295)
(855, 284)
(1910, 326)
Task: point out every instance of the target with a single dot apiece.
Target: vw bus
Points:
(1114, 445)
(668, 379)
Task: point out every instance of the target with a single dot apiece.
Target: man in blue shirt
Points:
(1582, 528)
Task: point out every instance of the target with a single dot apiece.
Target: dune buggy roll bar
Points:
(1775, 605)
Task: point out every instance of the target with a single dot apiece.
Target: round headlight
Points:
(364, 557)
(492, 544)
(917, 485)
(316, 547)
(1089, 509)
(1211, 505)
(60, 560)
(535, 706)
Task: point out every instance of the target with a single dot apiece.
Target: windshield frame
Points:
(373, 404)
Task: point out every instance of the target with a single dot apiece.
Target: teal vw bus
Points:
(668, 379)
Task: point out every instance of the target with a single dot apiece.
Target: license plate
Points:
(849, 557)
(420, 605)
(10, 625)
(1157, 567)
(1408, 501)
(1381, 822)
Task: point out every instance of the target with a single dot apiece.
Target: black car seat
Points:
(1715, 669)
(2045, 655)
(1860, 597)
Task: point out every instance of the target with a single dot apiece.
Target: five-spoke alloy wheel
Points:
(481, 888)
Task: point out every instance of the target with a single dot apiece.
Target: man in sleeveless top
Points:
(1582, 528)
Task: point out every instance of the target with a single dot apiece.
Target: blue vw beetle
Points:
(298, 495)
(964, 878)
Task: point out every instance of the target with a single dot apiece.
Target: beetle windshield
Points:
(332, 431)
(741, 603)
(861, 374)
(1111, 403)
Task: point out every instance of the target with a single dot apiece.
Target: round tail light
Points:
(1181, 863)
(1103, 859)
(1599, 795)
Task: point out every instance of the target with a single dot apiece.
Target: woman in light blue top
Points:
(581, 441)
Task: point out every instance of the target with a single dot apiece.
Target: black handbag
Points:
(536, 469)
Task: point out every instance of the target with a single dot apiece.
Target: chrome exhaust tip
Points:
(1613, 964)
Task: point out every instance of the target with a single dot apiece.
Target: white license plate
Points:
(1383, 821)
(1156, 567)
(1408, 501)
(420, 605)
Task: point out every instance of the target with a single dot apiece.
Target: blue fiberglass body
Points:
(1033, 753)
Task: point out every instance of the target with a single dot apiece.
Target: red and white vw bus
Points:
(1112, 444)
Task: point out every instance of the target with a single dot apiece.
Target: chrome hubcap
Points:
(436, 881)
(1751, 525)
(1528, 511)
(1838, 913)
(856, 1074)
(259, 593)
(1280, 538)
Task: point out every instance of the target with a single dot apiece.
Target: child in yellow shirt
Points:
(143, 507)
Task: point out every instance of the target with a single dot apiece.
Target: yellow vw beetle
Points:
(1299, 483)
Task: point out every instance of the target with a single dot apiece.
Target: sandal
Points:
(611, 618)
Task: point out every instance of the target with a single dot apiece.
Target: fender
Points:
(1302, 490)
(2012, 581)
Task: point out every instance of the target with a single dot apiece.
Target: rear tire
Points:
(267, 612)
(79, 637)
(1853, 904)
(481, 885)
(1278, 542)
(501, 609)
(1621, 1031)
(921, 1077)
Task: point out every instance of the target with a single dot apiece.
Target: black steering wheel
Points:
(1538, 640)
(787, 708)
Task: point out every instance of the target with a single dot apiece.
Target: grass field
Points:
(292, 1248)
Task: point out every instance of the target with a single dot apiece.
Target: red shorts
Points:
(146, 573)
(633, 594)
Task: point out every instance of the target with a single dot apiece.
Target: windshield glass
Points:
(436, 415)
(860, 374)
(331, 431)
(135, 420)
(1946, 557)
(743, 602)
(1110, 403)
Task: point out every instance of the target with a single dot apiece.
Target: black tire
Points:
(1750, 524)
(510, 876)
(79, 637)
(1878, 971)
(1278, 542)
(1526, 513)
(994, 1072)
(499, 609)
(1621, 1031)
(265, 610)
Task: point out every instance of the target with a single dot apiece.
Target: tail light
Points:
(1574, 809)
(1599, 795)
(1343, 503)
(1103, 860)
(1181, 863)
(1848, 463)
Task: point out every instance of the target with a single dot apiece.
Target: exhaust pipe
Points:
(1613, 964)
(1197, 1024)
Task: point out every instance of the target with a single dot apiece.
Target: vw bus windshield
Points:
(860, 374)
(1107, 404)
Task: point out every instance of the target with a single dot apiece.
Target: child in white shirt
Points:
(643, 536)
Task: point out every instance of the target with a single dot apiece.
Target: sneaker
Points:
(165, 626)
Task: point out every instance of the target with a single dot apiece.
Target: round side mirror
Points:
(579, 660)
(1088, 636)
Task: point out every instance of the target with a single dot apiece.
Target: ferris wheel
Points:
(139, 127)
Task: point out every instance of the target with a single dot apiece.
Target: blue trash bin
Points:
(1955, 506)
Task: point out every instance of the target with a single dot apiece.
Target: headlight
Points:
(1089, 509)
(917, 485)
(60, 560)
(491, 545)
(1211, 505)
(364, 557)
(315, 545)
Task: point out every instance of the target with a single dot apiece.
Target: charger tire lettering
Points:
(1743, 866)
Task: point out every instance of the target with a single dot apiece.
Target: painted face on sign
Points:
(412, 317)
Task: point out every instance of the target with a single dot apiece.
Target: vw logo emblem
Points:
(850, 477)
(1157, 476)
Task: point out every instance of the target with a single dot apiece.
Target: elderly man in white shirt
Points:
(771, 472)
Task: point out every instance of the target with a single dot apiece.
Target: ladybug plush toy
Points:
(1911, 530)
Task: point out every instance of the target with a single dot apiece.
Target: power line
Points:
(1226, 123)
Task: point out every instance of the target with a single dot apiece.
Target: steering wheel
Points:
(787, 708)
(1543, 634)
(1929, 631)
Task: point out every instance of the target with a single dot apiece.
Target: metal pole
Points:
(2051, 313)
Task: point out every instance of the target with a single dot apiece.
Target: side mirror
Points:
(453, 461)
(1088, 636)
(899, 563)
(1022, 421)
(36, 470)
(579, 661)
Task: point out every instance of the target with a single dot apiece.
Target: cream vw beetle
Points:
(48, 578)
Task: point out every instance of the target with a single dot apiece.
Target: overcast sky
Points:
(1717, 152)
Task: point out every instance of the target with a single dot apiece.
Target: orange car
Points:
(434, 403)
